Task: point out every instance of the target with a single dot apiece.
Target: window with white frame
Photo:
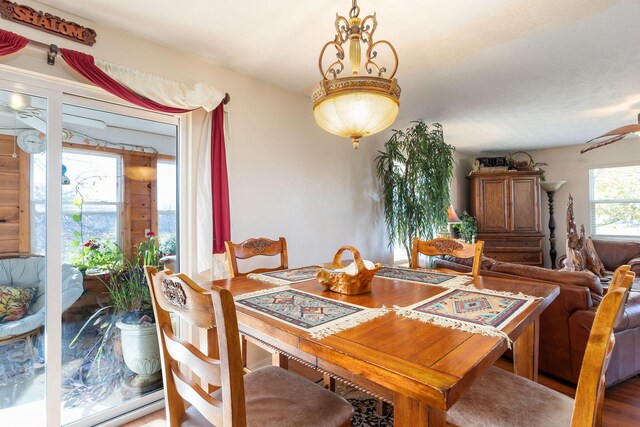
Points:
(90, 201)
(166, 199)
(614, 195)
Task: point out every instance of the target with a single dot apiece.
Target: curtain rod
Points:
(52, 52)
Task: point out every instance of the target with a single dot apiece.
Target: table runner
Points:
(476, 311)
(286, 277)
(425, 276)
(317, 315)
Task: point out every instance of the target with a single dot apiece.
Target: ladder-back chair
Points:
(256, 247)
(500, 398)
(447, 246)
(270, 396)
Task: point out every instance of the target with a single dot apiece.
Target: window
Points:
(614, 194)
(90, 201)
(167, 218)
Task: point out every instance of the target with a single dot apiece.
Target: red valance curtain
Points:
(11, 42)
(84, 64)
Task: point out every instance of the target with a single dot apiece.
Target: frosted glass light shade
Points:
(356, 106)
(356, 114)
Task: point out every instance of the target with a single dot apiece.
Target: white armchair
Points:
(30, 273)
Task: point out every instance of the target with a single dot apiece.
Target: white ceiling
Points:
(498, 74)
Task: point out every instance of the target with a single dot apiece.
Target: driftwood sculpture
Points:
(581, 253)
(575, 260)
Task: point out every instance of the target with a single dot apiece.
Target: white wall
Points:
(567, 164)
(287, 177)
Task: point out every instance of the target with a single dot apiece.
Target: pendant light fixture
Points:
(612, 136)
(360, 104)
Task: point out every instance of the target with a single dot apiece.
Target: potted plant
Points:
(467, 229)
(131, 301)
(127, 309)
(415, 171)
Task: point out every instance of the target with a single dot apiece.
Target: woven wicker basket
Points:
(342, 282)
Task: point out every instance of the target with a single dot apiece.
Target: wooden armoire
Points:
(507, 208)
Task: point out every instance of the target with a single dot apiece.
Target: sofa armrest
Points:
(580, 324)
(635, 266)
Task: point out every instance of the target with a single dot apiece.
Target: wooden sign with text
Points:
(47, 22)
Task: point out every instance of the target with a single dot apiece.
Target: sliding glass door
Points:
(24, 289)
(80, 214)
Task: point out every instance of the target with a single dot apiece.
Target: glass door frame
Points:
(58, 92)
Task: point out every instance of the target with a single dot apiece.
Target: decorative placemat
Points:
(476, 311)
(287, 277)
(425, 276)
(317, 315)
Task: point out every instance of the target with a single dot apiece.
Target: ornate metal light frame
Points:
(376, 88)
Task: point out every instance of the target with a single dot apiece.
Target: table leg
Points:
(410, 412)
(525, 353)
(279, 359)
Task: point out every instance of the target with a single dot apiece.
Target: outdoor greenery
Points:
(468, 227)
(415, 171)
(616, 198)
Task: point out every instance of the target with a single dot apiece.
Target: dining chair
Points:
(256, 247)
(448, 246)
(269, 396)
(500, 398)
(249, 249)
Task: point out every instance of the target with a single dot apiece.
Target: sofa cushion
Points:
(631, 315)
(577, 278)
(14, 302)
(614, 254)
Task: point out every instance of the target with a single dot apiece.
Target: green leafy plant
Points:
(97, 256)
(415, 171)
(468, 227)
(129, 300)
(169, 246)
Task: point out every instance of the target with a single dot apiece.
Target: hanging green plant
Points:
(415, 171)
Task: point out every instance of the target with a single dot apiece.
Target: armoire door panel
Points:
(495, 212)
(525, 199)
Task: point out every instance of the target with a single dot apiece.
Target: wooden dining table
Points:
(421, 368)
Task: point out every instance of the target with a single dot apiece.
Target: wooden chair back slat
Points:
(191, 392)
(447, 246)
(616, 280)
(214, 311)
(591, 383)
(256, 247)
(207, 368)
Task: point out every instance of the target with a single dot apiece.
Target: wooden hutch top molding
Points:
(504, 173)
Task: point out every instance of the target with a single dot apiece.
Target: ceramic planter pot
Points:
(140, 348)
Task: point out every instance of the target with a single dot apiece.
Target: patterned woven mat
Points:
(317, 315)
(476, 311)
(424, 276)
(287, 277)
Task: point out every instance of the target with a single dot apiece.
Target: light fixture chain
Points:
(355, 9)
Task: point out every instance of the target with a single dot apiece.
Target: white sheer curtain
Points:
(208, 266)
(164, 91)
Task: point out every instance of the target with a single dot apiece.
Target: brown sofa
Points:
(613, 254)
(566, 323)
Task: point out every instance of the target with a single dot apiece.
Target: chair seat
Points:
(277, 397)
(499, 398)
